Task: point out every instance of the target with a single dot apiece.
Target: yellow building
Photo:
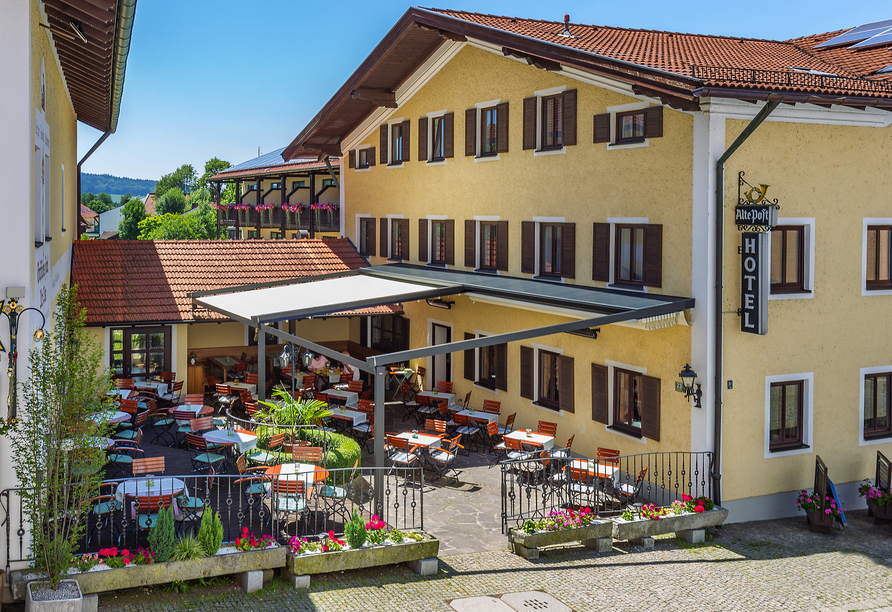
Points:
(575, 155)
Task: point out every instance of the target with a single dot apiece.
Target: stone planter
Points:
(322, 563)
(882, 515)
(527, 545)
(637, 530)
(73, 604)
(818, 521)
(100, 581)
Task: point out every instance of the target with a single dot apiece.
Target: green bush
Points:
(162, 536)
(340, 451)
(210, 534)
(188, 549)
(354, 531)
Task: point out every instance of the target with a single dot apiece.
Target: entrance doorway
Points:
(138, 351)
(441, 365)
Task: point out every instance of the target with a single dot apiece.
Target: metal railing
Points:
(254, 500)
(533, 487)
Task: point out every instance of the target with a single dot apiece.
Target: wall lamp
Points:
(440, 304)
(687, 381)
(13, 311)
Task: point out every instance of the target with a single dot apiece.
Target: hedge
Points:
(340, 451)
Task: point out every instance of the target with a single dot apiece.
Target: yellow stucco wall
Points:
(837, 175)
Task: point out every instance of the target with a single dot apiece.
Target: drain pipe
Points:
(719, 272)
(80, 219)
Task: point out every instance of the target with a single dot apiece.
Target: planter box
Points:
(635, 530)
(599, 529)
(74, 604)
(818, 521)
(882, 515)
(161, 573)
(322, 563)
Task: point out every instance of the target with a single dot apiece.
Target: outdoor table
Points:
(122, 393)
(422, 440)
(438, 397)
(245, 440)
(226, 363)
(196, 409)
(349, 415)
(536, 439)
(138, 487)
(94, 441)
(399, 375)
(110, 416)
(350, 398)
(333, 376)
(479, 414)
(604, 471)
(159, 388)
(240, 386)
(306, 472)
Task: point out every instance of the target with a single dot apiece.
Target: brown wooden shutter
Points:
(470, 243)
(529, 123)
(650, 407)
(527, 246)
(600, 410)
(407, 150)
(502, 127)
(653, 122)
(370, 236)
(404, 238)
(567, 390)
(502, 366)
(383, 143)
(471, 131)
(449, 135)
(371, 156)
(470, 362)
(568, 250)
(422, 240)
(601, 252)
(569, 118)
(602, 128)
(422, 139)
(526, 372)
(450, 242)
(501, 245)
(351, 159)
(653, 255)
(384, 233)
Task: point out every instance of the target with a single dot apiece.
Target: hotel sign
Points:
(753, 285)
(756, 216)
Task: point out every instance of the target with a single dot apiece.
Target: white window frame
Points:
(480, 334)
(809, 265)
(430, 139)
(864, 371)
(430, 340)
(388, 229)
(614, 221)
(536, 244)
(390, 125)
(534, 402)
(358, 229)
(484, 219)
(357, 167)
(430, 239)
(544, 93)
(62, 200)
(808, 412)
(870, 221)
(478, 107)
(624, 108)
(611, 378)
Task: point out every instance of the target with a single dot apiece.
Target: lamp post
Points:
(13, 311)
(287, 359)
(688, 376)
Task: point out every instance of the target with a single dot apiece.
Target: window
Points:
(275, 185)
(438, 142)
(547, 377)
(385, 333)
(436, 241)
(139, 351)
(879, 249)
(488, 365)
(787, 258)
(555, 255)
(630, 127)
(549, 120)
(489, 119)
(396, 244)
(394, 141)
(627, 401)
(396, 239)
(275, 235)
(785, 421)
(488, 246)
(366, 239)
(328, 183)
(552, 122)
(252, 233)
(623, 125)
(486, 130)
(297, 184)
(363, 161)
(550, 249)
(436, 137)
(634, 257)
(876, 405)
(486, 375)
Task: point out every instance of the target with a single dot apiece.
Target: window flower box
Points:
(368, 556)
(671, 523)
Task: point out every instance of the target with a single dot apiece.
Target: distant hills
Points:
(106, 183)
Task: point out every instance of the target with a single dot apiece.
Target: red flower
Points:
(125, 552)
(238, 541)
(325, 548)
(126, 560)
(686, 497)
(331, 534)
(699, 509)
(244, 530)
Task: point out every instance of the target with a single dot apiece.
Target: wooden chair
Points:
(417, 382)
(444, 386)
(563, 453)
(202, 457)
(162, 423)
(547, 428)
(496, 444)
(365, 405)
(252, 378)
(146, 510)
(104, 508)
(354, 386)
(516, 451)
(172, 397)
(288, 497)
(628, 492)
(365, 432)
(508, 427)
(130, 434)
(428, 406)
(402, 453)
(194, 398)
(307, 454)
(443, 459)
(335, 495)
(223, 396)
(210, 384)
(467, 403)
(255, 483)
(167, 377)
(465, 427)
(238, 371)
(492, 407)
(122, 453)
(608, 456)
(269, 456)
(148, 465)
(124, 383)
(436, 427)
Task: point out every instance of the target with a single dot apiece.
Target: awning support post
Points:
(261, 362)
(380, 380)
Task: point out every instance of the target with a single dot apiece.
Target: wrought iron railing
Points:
(533, 487)
(262, 505)
(324, 220)
(789, 79)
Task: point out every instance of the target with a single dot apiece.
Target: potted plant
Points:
(58, 464)
(878, 504)
(821, 514)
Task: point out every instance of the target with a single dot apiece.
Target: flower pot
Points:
(671, 523)
(882, 514)
(372, 556)
(38, 599)
(818, 521)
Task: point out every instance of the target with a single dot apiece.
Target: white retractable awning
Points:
(319, 297)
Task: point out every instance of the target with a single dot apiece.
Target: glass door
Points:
(137, 352)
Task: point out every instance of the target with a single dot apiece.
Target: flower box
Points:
(367, 556)
(594, 531)
(671, 523)
(881, 513)
(102, 579)
(818, 521)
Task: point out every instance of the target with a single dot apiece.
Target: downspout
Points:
(719, 273)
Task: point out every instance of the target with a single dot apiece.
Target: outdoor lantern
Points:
(285, 357)
(13, 312)
(688, 376)
(306, 358)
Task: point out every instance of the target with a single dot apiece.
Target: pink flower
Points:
(827, 511)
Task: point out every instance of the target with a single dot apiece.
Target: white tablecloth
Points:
(438, 397)
(420, 440)
(94, 441)
(352, 415)
(195, 409)
(137, 487)
(111, 416)
(158, 387)
(545, 442)
(351, 398)
(240, 386)
(294, 471)
(244, 441)
(601, 470)
(125, 393)
(479, 415)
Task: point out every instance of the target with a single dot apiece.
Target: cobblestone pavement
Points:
(769, 565)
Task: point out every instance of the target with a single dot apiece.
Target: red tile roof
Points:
(86, 213)
(150, 204)
(135, 281)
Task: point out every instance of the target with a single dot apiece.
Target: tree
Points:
(183, 178)
(173, 201)
(212, 167)
(98, 203)
(200, 224)
(134, 212)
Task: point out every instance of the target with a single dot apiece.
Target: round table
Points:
(306, 472)
(93, 441)
(136, 487)
(246, 441)
(111, 416)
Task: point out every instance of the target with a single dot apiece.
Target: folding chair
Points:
(148, 465)
(288, 497)
(443, 459)
(496, 444)
(223, 396)
(563, 453)
(254, 482)
(270, 456)
(428, 408)
(463, 426)
(492, 407)
(238, 371)
(508, 427)
(335, 495)
(162, 423)
(608, 456)
(146, 510)
(104, 510)
(124, 383)
(122, 453)
(467, 403)
(547, 428)
(402, 453)
(365, 432)
(130, 434)
(172, 397)
(413, 403)
(444, 386)
(628, 492)
(202, 457)
(436, 427)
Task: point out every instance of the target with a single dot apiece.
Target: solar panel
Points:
(885, 70)
(862, 32)
(876, 41)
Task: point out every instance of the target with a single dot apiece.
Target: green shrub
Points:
(188, 549)
(210, 534)
(162, 536)
(340, 451)
(354, 531)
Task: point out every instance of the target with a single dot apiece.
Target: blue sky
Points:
(223, 78)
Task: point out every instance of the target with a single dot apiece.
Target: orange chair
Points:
(444, 386)
(547, 428)
(492, 407)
